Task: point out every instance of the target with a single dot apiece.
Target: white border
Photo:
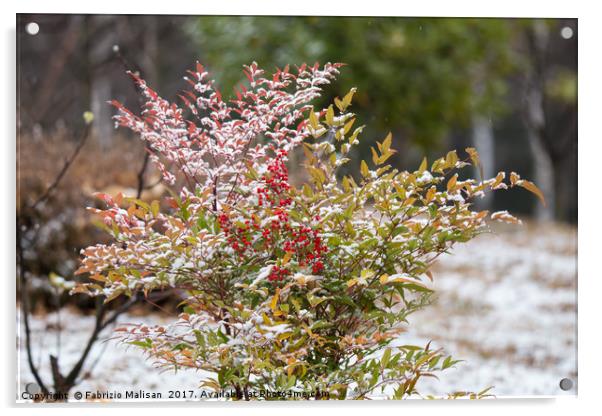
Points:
(459, 8)
(590, 154)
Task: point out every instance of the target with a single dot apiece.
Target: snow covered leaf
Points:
(505, 216)
(401, 278)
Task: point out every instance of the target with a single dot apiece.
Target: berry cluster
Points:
(301, 243)
(239, 237)
(276, 184)
(278, 274)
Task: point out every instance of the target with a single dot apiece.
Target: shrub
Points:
(288, 288)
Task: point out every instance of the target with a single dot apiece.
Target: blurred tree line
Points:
(505, 86)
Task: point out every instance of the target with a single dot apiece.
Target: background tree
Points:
(550, 110)
(440, 82)
(422, 76)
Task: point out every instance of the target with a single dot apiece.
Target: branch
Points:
(100, 324)
(25, 311)
(141, 172)
(65, 168)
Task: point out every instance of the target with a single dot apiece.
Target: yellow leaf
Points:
(401, 192)
(284, 335)
(386, 155)
(439, 165)
(309, 154)
(155, 208)
(88, 117)
(287, 258)
(346, 184)
(274, 301)
(498, 180)
(279, 313)
(474, 157)
(530, 186)
(452, 183)
(364, 169)
(387, 142)
(317, 174)
(451, 158)
(374, 156)
(296, 304)
(348, 97)
(330, 116)
(430, 194)
(339, 134)
(339, 104)
(348, 126)
(307, 329)
(313, 120)
(355, 134)
(366, 274)
(408, 202)
(307, 191)
(266, 319)
(423, 165)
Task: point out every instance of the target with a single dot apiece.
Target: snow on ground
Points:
(506, 304)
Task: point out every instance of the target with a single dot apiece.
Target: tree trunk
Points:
(543, 177)
(483, 140)
(536, 123)
(100, 83)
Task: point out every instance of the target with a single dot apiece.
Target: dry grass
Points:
(59, 227)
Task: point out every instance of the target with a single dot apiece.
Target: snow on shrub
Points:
(288, 288)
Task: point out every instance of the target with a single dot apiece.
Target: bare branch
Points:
(65, 168)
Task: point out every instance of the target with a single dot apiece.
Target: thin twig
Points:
(141, 175)
(65, 168)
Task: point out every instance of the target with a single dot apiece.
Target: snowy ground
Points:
(506, 305)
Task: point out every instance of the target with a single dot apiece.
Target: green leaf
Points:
(385, 358)
(147, 343)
